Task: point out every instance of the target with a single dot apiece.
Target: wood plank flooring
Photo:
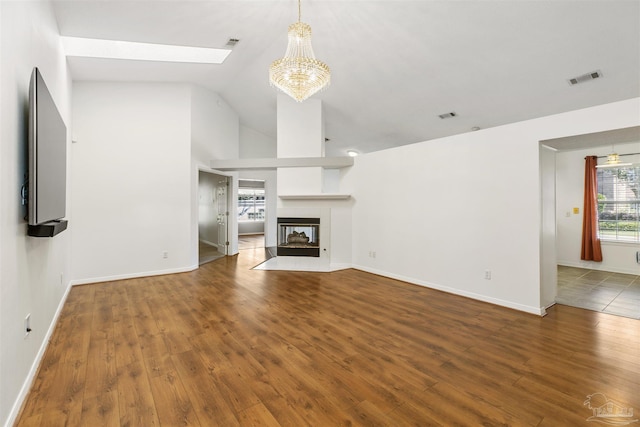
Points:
(229, 346)
(250, 241)
(207, 253)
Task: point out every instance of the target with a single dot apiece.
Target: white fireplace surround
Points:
(323, 263)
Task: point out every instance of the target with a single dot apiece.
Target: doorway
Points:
(613, 285)
(251, 213)
(213, 216)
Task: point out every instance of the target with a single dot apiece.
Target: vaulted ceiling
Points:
(396, 65)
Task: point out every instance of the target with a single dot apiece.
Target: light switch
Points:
(576, 211)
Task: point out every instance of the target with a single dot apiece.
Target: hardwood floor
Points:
(226, 346)
(250, 241)
(207, 253)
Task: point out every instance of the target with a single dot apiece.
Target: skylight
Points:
(112, 49)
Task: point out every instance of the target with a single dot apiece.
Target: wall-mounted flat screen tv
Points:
(47, 153)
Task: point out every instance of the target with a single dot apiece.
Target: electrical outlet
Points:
(27, 325)
(487, 274)
(165, 254)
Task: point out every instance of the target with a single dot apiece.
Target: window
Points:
(619, 203)
(250, 204)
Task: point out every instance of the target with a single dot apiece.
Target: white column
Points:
(300, 134)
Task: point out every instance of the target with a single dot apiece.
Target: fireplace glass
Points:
(299, 237)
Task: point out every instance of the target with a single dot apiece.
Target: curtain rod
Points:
(630, 154)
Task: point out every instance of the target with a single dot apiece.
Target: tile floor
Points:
(612, 293)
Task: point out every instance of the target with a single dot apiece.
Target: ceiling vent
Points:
(585, 77)
(231, 43)
(447, 115)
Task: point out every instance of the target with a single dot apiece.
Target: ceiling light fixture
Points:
(613, 160)
(352, 153)
(299, 74)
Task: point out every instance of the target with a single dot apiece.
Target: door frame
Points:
(232, 222)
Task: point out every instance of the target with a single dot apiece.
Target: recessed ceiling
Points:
(396, 65)
(596, 139)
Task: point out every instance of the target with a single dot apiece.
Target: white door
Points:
(222, 218)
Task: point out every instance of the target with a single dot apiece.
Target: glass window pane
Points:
(251, 205)
(619, 203)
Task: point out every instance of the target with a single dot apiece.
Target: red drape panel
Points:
(591, 250)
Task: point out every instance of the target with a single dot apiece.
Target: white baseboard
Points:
(210, 243)
(548, 307)
(335, 266)
(28, 382)
(539, 311)
(132, 275)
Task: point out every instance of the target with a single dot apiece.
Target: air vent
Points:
(232, 42)
(585, 77)
(447, 115)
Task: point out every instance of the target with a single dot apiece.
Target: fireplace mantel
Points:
(319, 196)
(286, 162)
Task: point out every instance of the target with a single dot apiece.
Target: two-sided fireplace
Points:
(299, 237)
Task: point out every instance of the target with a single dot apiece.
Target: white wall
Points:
(135, 164)
(300, 128)
(256, 145)
(34, 272)
(250, 227)
(443, 223)
(131, 166)
(617, 257)
(300, 134)
(214, 135)
(215, 127)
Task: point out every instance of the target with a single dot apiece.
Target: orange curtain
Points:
(591, 250)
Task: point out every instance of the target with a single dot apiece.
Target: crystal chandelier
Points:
(299, 74)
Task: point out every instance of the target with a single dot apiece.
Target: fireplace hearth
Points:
(298, 237)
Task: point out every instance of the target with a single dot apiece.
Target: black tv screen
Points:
(47, 153)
